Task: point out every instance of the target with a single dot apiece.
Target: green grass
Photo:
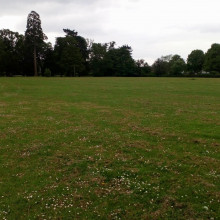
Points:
(109, 148)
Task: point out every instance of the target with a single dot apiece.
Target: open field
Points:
(109, 148)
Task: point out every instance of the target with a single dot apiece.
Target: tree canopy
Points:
(74, 55)
(34, 37)
(212, 59)
(195, 61)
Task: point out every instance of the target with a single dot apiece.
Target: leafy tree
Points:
(126, 61)
(34, 37)
(47, 72)
(119, 62)
(107, 60)
(143, 69)
(71, 54)
(111, 45)
(68, 55)
(212, 59)
(11, 54)
(81, 44)
(160, 67)
(47, 58)
(177, 65)
(167, 58)
(97, 54)
(2, 57)
(195, 61)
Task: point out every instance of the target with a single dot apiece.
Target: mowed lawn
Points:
(109, 148)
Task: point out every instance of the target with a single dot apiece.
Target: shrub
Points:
(47, 72)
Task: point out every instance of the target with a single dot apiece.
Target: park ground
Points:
(109, 148)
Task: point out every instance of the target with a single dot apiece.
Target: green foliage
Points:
(11, 52)
(98, 52)
(212, 59)
(169, 66)
(73, 55)
(119, 62)
(47, 72)
(34, 33)
(142, 68)
(177, 66)
(69, 57)
(195, 61)
(34, 42)
(81, 42)
(160, 67)
(2, 57)
(106, 60)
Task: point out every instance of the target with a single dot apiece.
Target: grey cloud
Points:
(207, 28)
(17, 7)
(152, 28)
(201, 28)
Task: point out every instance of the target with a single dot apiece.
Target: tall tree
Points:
(34, 36)
(195, 61)
(69, 58)
(176, 65)
(142, 68)
(71, 54)
(2, 57)
(160, 67)
(119, 61)
(97, 53)
(81, 42)
(212, 59)
(11, 46)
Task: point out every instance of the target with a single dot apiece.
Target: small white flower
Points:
(206, 208)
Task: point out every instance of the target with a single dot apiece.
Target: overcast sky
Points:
(151, 27)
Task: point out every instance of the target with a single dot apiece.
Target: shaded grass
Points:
(109, 148)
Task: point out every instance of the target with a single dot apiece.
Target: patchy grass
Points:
(109, 148)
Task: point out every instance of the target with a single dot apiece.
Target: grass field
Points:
(109, 148)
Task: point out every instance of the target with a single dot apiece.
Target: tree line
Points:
(73, 55)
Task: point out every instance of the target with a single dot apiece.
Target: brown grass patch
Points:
(168, 203)
(199, 141)
(2, 104)
(145, 145)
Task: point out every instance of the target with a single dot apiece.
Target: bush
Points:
(214, 73)
(47, 72)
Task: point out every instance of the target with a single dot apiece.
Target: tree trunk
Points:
(35, 62)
